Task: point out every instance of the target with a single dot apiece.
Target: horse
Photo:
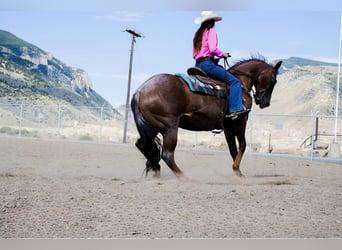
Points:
(164, 103)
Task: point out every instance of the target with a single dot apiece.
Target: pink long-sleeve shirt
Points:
(209, 45)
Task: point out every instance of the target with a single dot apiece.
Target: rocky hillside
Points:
(29, 74)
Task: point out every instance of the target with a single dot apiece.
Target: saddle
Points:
(204, 78)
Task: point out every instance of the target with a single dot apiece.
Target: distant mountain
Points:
(305, 87)
(301, 62)
(30, 74)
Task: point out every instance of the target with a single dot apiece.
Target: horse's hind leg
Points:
(168, 153)
(152, 153)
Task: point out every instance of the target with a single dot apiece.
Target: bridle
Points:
(257, 94)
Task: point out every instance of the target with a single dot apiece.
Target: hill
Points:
(305, 87)
(29, 74)
(293, 62)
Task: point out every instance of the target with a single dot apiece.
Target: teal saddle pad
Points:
(197, 86)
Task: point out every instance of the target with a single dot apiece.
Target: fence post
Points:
(59, 120)
(101, 119)
(312, 136)
(20, 118)
(251, 133)
(269, 143)
(196, 141)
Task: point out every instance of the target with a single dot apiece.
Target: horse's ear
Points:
(277, 66)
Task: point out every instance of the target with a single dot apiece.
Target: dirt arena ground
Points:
(56, 189)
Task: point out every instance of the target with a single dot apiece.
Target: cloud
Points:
(122, 16)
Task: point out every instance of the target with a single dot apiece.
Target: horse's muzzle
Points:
(264, 105)
(262, 100)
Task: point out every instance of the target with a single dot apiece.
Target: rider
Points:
(204, 51)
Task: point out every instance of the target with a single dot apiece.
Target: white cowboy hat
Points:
(207, 15)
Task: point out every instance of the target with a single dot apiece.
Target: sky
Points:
(90, 34)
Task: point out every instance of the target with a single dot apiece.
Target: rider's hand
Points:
(226, 55)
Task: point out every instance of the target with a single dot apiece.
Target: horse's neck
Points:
(246, 82)
(249, 73)
(245, 77)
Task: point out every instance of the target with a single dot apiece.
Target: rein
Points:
(227, 66)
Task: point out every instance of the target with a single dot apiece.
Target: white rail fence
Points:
(302, 135)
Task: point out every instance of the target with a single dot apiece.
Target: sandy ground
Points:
(56, 189)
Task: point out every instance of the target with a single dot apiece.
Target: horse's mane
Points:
(258, 58)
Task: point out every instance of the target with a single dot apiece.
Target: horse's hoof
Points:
(238, 173)
(156, 174)
(182, 177)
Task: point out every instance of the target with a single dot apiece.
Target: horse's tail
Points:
(146, 131)
(148, 143)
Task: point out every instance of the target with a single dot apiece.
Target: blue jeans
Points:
(215, 71)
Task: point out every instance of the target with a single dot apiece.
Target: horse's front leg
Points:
(242, 147)
(231, 133)
(230, 137)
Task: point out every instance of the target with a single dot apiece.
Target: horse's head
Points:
(264, 85)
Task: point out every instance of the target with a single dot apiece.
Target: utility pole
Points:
(338, 82)
(134, 35)
(334, 148)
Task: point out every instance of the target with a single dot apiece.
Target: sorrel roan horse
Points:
(164, 103)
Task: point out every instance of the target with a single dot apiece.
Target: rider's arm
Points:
(212, 44)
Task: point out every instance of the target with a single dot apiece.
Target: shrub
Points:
(86, 137)
(9, 131)
(12, 131)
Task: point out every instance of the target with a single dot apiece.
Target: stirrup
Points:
(235, 115)
(217, 131)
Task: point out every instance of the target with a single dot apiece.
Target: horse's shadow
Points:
(271, 179)
(267, 176)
